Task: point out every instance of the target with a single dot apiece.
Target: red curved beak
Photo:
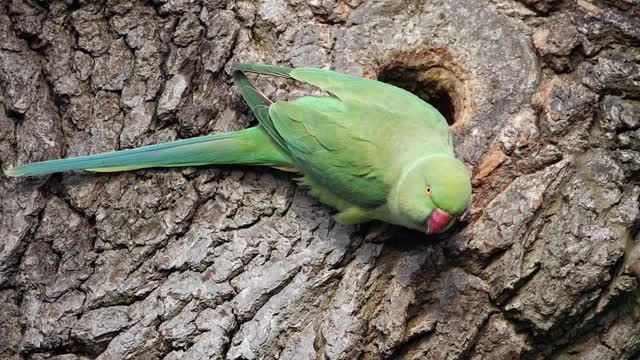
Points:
(438, 220)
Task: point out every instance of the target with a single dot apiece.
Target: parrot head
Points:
(433, 193)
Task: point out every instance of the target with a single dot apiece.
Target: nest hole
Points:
(437, 86)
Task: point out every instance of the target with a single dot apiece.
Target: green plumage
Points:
(251, 146)
(368, 149)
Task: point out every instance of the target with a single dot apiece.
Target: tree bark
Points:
(241, 263)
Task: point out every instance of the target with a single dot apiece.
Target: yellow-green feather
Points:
(249, 146)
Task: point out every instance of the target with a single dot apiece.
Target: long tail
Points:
(251, 146)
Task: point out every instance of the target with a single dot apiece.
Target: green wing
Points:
(344, 142)
(256, 100)
(323, 145)
(357, 90)
(315, 133)
(393, 102)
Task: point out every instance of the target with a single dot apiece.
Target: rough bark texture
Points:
(240, 263)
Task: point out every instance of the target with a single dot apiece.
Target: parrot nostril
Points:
(437, 86)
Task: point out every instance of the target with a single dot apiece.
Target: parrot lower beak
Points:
(438, 220)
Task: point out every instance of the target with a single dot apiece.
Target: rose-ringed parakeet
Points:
(369, 149)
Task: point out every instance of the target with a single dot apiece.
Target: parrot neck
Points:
(393, 202)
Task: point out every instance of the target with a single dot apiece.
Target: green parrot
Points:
(369, 149)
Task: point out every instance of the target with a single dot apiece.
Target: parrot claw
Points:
(378, 233)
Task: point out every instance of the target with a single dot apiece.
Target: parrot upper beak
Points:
(438, 220)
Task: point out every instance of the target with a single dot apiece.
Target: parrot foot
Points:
(378, 232)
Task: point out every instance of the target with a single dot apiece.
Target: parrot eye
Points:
(427, 191)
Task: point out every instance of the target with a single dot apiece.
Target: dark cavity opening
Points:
(437, 86)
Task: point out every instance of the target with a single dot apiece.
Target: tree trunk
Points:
(241, 263)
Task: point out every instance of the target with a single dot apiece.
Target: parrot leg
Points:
(378, 233)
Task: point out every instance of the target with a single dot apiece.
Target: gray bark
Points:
(240, 263)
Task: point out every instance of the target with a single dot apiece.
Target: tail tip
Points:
(11, 172)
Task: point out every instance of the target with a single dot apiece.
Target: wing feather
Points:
(325, 149)
(343, 141)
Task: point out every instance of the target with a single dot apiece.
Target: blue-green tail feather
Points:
(251, 146)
